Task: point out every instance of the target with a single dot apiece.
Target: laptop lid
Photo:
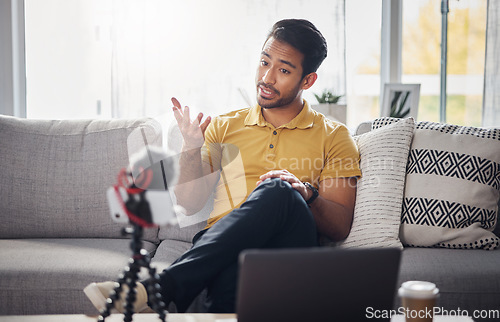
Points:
(316, 284)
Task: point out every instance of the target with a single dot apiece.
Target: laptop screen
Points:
(316, 284)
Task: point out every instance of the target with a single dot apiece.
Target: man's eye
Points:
(263, 63)
(285, 71)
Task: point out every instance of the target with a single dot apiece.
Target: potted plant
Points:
(328, 105)
(327, 97)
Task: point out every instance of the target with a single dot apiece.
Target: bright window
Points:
(421, 56)
(363, 25)
(68, 58)
(106, 58)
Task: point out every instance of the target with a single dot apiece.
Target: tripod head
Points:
(141, 194)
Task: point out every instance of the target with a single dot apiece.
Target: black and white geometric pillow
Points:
(452, 186)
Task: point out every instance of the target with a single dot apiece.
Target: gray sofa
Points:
(56, 234)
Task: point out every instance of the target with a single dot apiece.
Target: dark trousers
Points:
(274, 216)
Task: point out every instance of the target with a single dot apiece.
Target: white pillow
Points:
(379, 198)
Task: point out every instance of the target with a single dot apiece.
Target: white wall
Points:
(133, 56)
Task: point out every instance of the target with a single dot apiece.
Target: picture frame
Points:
(400, 100)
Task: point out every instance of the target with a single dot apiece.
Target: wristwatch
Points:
(314, 191)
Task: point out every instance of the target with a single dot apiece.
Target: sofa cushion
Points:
(452, 186)
(47, 276)
(467, 279)
(55, 174)
(379, 196)
(186, 226)
(168, 251)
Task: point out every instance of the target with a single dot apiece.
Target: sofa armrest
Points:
(363, 127)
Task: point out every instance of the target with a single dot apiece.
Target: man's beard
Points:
(282, 101)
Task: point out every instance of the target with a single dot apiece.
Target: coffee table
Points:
(173, 317)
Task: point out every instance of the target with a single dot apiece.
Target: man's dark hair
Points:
(305, 37)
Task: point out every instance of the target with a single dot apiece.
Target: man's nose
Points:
(269, 76)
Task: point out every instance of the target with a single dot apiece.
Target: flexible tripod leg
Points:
(125, 278)
(153, 289)
(113, 297)
(132, 292)
(139, 259)
(134, 268)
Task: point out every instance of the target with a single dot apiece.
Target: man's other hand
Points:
(290, 178)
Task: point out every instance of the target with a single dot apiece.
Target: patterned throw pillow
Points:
(379, 197)
(452, 186)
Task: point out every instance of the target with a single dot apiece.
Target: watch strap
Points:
(314, 191)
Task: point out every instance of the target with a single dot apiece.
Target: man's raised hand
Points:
(193, 132)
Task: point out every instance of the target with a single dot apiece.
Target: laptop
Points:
(317, 284)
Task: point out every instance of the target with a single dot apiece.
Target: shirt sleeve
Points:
(342, 156)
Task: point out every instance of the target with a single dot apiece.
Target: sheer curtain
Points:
(206, 52)
(491, 98)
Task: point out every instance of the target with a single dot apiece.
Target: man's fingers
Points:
(285, 175)
(177, 115)
(205, 124)
(272, 174)
(176, 103)
(177, 110)
(301, 189)
(199, 118)
(184, 121)
(289, 178)
(178, 107)
(186, 113)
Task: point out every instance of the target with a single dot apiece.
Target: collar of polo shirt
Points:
(304, 120)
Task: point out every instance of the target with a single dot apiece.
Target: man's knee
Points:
(295, 222)
(278, 188)
(278, 192)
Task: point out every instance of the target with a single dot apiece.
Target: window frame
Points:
(12, 59)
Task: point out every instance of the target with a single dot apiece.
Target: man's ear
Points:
(309, 80)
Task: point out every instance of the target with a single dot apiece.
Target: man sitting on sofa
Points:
(300, 171)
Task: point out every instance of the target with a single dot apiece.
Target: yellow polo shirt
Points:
(246, 146)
